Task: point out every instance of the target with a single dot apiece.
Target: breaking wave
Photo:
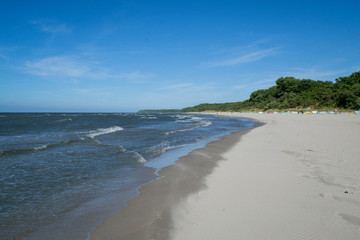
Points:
(103, 131)
(202, 123)
(64, 120)
(139, 158)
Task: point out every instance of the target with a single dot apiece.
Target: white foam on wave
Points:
(180, 130)
(205, 123)
(183, 121)
(64, 120)
(41, 147)
(196, 118)
(103, 131)
(181, 116)
(172, 147)
(70, 114)
(139, 158)
(202, 124)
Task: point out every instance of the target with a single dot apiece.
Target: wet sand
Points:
(295, 177)
(150, 214)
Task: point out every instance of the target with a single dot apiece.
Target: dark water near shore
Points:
(62, 174)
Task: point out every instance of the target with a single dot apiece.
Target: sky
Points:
(123, 56)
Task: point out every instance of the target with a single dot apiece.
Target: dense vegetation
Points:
(292, 93)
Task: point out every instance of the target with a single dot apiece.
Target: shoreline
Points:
(294, 177)
(149, 214)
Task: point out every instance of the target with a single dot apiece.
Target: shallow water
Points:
(62, 174)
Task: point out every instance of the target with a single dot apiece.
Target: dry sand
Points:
(150, 214)
(285, 180)
(296, 177)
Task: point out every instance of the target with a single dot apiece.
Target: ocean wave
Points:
(180, 130)
(64, 120)
(196, 118)
(202, 124)
(147, 117)
(118, 148)
(166, 149)
(71, 114)
(41, 147)
(16, 151)
(206, 123)
(182, 121)
(38, 148)
(103, 131)
(181, 116)
(139, 158)
(191, 119)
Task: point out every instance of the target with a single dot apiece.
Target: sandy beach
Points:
(295, 177)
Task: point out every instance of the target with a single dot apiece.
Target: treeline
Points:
(292, 93)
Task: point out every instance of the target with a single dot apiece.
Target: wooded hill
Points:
(291, 93)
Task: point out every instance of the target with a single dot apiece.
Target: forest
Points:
(290, 93)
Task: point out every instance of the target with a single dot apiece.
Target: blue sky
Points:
(115, 56)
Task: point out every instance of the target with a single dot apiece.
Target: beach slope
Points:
(296, 177)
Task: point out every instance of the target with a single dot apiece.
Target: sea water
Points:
(62, 174)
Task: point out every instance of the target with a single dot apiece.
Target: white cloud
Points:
(61, 66)
(103, 74)
(76, 67)
(51, 26)
(93, 92)
(178, 86)
(249, 57)
(137, 75)
(4, 52)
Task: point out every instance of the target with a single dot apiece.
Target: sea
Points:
(62, 174)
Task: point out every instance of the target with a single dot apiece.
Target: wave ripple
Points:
(103, 131)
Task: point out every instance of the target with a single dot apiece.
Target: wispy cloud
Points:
(51, 26)
(4, 51)
(67, 66)
(178, 86)
(2, 54)
(137, 75)
(72, 66)
(245, 58)
(91, 91)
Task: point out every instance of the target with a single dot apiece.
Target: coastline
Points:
(295, 177)
(149, 215)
